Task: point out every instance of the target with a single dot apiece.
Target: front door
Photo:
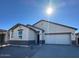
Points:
(37, 38)
(2, 36)
(78, 40)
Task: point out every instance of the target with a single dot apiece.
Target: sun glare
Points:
(49, 10)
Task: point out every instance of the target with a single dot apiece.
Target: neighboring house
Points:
(42, 32)
(77, 38)
(55, 33)
(3, 36)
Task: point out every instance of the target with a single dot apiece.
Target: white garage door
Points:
(58, 39)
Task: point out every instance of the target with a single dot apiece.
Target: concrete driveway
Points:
(18, 51)
(37, 51)
(57, 51)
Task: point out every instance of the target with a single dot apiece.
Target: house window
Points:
(20, 32)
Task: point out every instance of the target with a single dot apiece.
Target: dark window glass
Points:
(20, 32)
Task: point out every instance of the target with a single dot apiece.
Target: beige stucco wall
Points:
(53, 28)
(32, 35)
(15, 33)
(40, 33)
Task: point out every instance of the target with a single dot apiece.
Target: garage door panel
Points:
(57, 39)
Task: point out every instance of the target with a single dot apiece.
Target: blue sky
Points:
(30, 11)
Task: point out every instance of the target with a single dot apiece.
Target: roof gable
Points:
(15, 26)
(56, 24)
(34, 27)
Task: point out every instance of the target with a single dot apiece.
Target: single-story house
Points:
(55, 33)
(42, 32)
